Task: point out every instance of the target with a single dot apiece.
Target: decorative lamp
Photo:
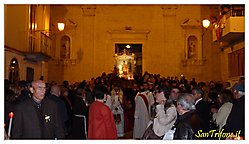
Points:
(61, 26)
(205, 23)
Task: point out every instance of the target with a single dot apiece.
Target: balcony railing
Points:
(40, 46)
(40, 42)
(236, 11)
(232, 26)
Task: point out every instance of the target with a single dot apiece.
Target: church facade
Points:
(172, 37)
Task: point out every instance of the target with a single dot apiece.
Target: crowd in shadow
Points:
(149, 107)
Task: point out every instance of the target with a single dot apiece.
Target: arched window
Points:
(65, 47)
(14, 71)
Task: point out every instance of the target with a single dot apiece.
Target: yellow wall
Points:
(16, 39)
(16, 26)
(100, 27)
(162, 50)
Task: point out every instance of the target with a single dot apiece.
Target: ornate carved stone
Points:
(193, 33)
(191, 23)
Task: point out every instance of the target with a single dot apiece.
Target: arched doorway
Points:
(14, 71)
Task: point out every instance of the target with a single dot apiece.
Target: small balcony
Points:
(234, 30)
(231, 28)
(39, 48)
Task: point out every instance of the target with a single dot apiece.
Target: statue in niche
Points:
(65, 47)
(192, 46)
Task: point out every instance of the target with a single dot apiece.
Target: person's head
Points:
(135, 86)
(160, 97)
(242, 80)
(116, 87)
(99, 92)
(197, 93)
(174, 94)
(55, 90)
(16, 89)
(38, 90)
(64, 92)
(150, 85)
(185, 103)
(238, 90)
(65, 83)
(225, 96)
(22, 84)
(226, 85)
(145, 86)
(9, 96)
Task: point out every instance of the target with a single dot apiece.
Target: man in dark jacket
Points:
(38, 117)
(202, 108)
(236, 120)
(188, 123)
(55, 93)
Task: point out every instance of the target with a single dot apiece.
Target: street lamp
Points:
(205, 23)
(61, 26)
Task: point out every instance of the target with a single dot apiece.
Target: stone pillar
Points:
(88, 32)
(171, 36)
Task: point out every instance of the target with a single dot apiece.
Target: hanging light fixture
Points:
(61, 26)
(205, 23)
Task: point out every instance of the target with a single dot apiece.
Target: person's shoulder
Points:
(227, 104)
(202, 103)
(23, 105)
(51, 97)
(49, 101)
(25, 102)
(98, 106)
(172, 107)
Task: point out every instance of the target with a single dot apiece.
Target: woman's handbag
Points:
(149, 133)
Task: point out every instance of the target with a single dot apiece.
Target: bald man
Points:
(38, 117)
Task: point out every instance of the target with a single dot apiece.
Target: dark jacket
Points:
(79, 124)
(31, 122)
(62, 110)
(236, 119)
(204, 112)
(187, 125)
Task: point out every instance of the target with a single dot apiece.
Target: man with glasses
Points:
(37, 117)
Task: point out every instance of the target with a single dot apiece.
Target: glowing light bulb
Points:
(205, 23)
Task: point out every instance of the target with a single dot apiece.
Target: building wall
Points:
(99, 27)
(16, 26)
(8, 56)
(16, 36)
(224, 61)
(163, 49)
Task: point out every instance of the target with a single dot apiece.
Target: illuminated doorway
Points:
(135, 49)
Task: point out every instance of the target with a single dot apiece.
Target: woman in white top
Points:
(166, 115)
(220, 116)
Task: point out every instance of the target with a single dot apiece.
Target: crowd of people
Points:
(109, 107)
